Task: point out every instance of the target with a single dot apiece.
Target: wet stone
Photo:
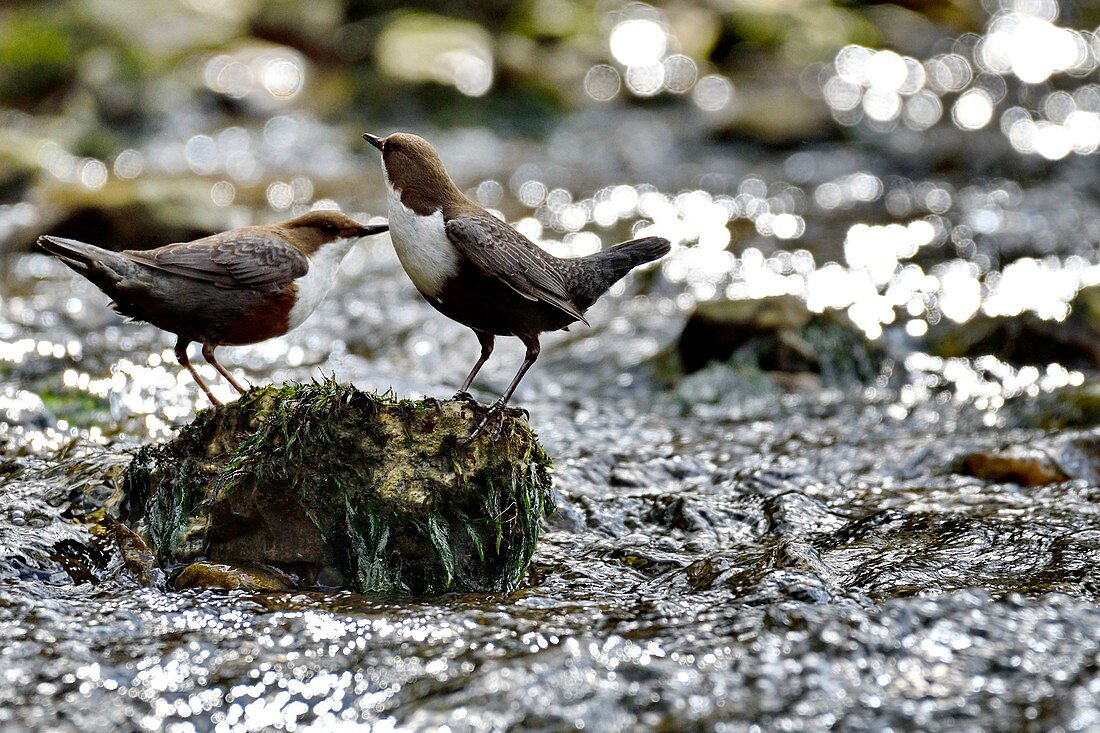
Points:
(128, 214)
(779, 335)
(892, 554)
(1020, 340)
(1018, 465)
(251, 577)
(326, 482)
(24, 409)
(1067, 408)
(136, 555)
(1079, 456)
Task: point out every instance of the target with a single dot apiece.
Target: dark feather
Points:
(499, 251)
(256, 259)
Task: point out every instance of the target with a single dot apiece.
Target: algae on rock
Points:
(341, 487)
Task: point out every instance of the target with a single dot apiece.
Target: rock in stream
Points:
(338, 487)
(782, 337)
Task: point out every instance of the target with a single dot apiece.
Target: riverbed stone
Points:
(779, 335)
(223, 576)
(1018, 340)
(1027, 339)
(128, 214)
(325, 481)
(1068, 408)
(1021, 465)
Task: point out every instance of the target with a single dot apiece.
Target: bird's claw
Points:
(464, 396)
(494, 410)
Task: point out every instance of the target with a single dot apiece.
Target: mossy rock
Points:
(1069, 408)
(341, 487)
(1017, 340)
(779, 334)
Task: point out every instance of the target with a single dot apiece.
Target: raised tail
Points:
(639, 251)
(102, 266)
(591, 276)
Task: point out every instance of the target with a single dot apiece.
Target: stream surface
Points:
(726, 555)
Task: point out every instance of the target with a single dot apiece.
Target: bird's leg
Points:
(208, 354)
(533, 348)
(487, 340)
(181, 357)
(497, 408)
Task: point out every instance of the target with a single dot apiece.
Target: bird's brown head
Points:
(310, 232)
(414, 169)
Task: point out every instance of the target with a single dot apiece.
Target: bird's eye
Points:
(330, 229)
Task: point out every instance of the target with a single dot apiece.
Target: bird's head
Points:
(414, 169)
(312, 232)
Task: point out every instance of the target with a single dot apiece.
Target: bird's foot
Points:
(495, 410)
(464, 396)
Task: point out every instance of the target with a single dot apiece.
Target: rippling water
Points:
(726, 555)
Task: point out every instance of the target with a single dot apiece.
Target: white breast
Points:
(315, 284)
(422, 245)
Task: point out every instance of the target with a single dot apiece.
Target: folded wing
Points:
(499, 251)
(259, 260)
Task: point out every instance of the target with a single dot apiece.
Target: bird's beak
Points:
(375, 141)
(368, 229)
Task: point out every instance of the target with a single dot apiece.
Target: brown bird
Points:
(238, 287)
(477, 270)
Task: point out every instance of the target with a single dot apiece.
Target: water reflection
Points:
(1020, 47)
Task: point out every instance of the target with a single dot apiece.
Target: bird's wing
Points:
(499, 251)
(242, 259)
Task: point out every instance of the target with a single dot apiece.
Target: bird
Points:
(238, 287)
(481, 272)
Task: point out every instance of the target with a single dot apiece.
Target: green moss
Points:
(36, 56)
(76, 407)
(385, 491)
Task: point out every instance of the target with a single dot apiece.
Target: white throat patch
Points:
(319, 279)
(421, 244)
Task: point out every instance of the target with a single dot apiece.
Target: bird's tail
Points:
(102, 266)
(593, 275)
(637, 251)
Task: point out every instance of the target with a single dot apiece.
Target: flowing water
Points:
(726, 555)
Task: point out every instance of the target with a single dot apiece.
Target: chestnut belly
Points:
(202, 312)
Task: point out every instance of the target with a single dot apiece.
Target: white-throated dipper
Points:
(237, 287)
(477, 270)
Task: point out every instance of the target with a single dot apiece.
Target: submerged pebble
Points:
(232, 577)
